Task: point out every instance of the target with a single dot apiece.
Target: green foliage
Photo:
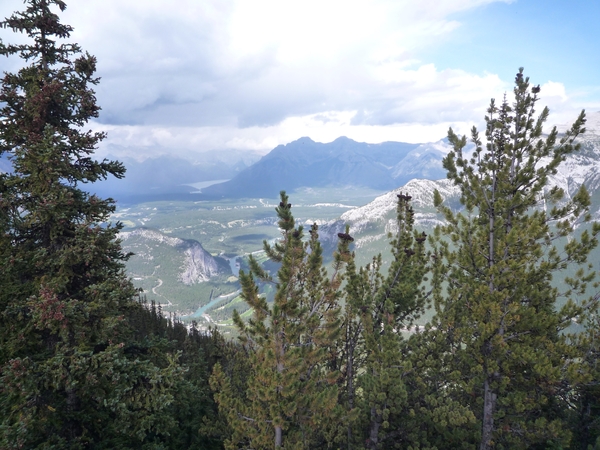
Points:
(191, 419)
(291, 395)
(70, 376)
(585, 421)
(378, 311)
(497, 318)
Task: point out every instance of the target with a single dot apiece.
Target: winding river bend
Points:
(212, 302)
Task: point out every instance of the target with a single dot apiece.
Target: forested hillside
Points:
(336, 359)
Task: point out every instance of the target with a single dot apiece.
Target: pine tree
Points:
(66, 377)
(360, 288)
(291, 397)
(378, 311)
(498, 316)
(400, 300)
(586, 416)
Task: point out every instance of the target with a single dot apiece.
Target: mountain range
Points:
(370, 223)
(301, 163)
(172, 264)
(343, 162)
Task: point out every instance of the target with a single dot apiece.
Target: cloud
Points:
(245, 64)
(142, 141)
(188, 75)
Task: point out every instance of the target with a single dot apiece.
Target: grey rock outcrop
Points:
(199, 265)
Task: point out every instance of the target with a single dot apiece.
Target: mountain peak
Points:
(344, 139)
(302, 140)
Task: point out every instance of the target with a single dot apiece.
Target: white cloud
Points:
(189, 75)
(554, 91)
(228, 62)
(142, 141)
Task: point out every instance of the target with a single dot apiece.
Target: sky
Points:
(186, 76)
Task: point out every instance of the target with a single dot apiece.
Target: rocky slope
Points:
(369, 224)
(196, 265)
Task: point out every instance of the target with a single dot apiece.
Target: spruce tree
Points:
(498, 315)
(66, 377)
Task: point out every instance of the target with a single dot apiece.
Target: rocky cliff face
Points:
(198, 265)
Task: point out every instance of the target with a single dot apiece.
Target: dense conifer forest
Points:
(336, 361)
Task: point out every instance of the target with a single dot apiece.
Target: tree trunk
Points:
(280, 368)
(73, 406)
(489, 406)
(350, 377)
(374, 429)
(489, 397)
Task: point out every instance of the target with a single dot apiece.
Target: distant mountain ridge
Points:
(342, 162)
(301, 163)
(370, 223)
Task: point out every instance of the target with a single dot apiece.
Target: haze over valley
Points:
(190, 243)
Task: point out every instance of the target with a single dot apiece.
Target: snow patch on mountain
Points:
(422, 197)
(424, 161)
(582, 167)
(361, 242)
(151, 235)
(592, 124)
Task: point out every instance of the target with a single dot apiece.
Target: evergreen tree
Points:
(586, 417)
(291, 398)
(498, 316)
(398, 302)
(378, 311)
(66, 379)
(361, 287)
